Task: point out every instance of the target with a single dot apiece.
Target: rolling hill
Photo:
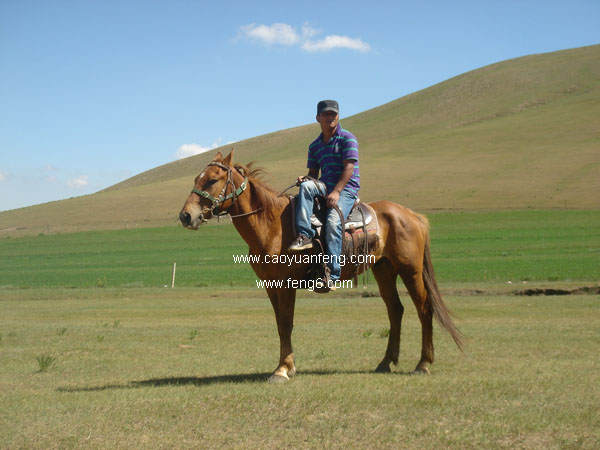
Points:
(518, 134)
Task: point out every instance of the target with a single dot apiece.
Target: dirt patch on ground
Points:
(6, 230)
(590, 290)
(465, 292)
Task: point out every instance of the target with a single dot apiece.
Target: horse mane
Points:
(264, 197)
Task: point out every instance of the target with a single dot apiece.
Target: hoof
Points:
(383, 368)
(278, 379)
(420, 371)
(291, 372)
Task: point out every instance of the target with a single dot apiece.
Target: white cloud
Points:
(308, 31)
(285, 34)
(278, 33)
(77, 183)
(2, 176)
(187, 150)
(333, 41)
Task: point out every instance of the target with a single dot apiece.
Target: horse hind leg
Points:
(386, 276)
(416, 288)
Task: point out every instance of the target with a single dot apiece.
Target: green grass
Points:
(516, 246)
(125, 258)
(45, 362)
(529, 377)
(466, 247)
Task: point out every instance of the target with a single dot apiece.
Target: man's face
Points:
(328, 120)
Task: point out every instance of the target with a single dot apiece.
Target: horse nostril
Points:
(185, 218)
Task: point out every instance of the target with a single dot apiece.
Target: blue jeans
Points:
(333, 225)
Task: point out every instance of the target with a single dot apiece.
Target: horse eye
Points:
(210, 182)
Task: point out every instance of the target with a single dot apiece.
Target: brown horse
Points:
(264, 220)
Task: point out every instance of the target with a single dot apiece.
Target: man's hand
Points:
(312, 173)
(332, 198)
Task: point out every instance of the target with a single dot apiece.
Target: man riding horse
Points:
(335, 154)
(265, 221)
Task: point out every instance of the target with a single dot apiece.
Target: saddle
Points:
(360, 215)
(360, 238)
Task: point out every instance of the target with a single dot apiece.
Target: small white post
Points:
(173, 277)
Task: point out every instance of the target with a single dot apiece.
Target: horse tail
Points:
(434, 299)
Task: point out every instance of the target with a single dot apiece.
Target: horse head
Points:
(214, 192)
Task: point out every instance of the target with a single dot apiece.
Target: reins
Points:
(288, 188)
(296, 184)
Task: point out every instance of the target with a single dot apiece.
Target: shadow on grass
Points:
(207, 381)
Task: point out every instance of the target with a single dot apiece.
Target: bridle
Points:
(222, 198)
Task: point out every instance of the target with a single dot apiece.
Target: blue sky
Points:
(93, 92)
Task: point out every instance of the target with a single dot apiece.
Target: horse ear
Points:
(218, 157)
(240, 169)
(229, 158)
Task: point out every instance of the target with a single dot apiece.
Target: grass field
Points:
(517, 246)
(186, 368)
(95, 353)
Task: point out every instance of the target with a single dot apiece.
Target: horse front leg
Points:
(283, 301)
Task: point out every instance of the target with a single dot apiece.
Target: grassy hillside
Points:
(518, 134)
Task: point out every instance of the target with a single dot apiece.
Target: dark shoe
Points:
(325, 288)
(325, 284)
(321, 287)
(301, 243)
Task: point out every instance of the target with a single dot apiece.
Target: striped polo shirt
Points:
(330, 158)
